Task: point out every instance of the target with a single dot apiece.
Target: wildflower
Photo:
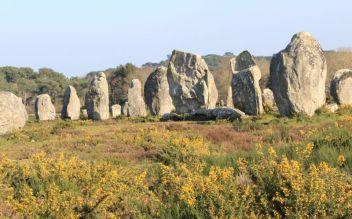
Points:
(341, 160)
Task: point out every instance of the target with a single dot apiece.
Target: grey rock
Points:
(115, 110)
(13, 114)
(97, 98)
(136, 105)
(191, 84)
(44, 108)
(246, 92)
(71, 108)
(84, 113)
(298, 75)
(269, 100)
(332, 107)
(341, 87)
(156, 92)
(217, 113)
(171, 117)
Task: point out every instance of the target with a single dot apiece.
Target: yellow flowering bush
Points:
(68, 188)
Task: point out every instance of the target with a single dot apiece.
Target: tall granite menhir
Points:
(191, 84)
(298, 75)
(97, 98)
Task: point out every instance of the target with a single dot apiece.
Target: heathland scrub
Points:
(262, 167)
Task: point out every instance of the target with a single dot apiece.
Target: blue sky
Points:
(78, 36)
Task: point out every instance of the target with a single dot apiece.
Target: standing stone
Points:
(229, 99)
(298, 75)
(191, 83)
(341, 87)
(13, 113)
(246, 92)
(124, 109)
(115, 111)
(269, 100)
(156, 92)
(71, 104)
(136, 105)
(97, 98)
(44, 108)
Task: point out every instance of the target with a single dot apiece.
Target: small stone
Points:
(115, 110)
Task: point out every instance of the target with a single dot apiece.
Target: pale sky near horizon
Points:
(78, 36)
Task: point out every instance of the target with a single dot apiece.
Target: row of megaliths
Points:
(296, 86)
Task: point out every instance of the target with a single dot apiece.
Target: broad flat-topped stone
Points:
(191, 84)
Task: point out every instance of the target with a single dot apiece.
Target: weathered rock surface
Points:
(13, 114)
(269, 100)
(207, 114)
(298, 75)
(44, 108)
(341, 87)
(71, 108)
(84, 113)
(115, 111)
(136, 105)
(172, 117)
(156, 92)
(246, 92)
(332, 107)
(191, 84)
(217, 113)
(97, 98)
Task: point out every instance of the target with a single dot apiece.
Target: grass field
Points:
(259, 167)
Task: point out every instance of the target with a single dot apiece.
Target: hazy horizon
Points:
(76, 37)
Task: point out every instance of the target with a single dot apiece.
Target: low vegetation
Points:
(259, 167)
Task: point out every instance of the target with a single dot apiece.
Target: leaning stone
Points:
(13, 114)
(44, 108)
